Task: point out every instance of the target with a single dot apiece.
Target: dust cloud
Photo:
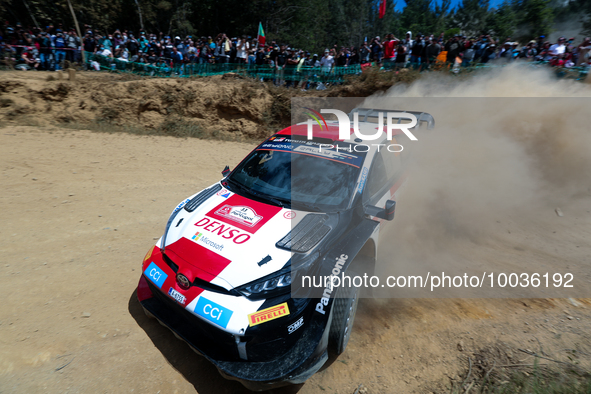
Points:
(509, 147)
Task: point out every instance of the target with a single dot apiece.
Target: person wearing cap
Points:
(376, 49)
(529, 51)
(327, 61)
(417, 51)
(557, 50)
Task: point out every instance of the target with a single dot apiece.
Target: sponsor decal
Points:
(241, 214)
(289, 215)
(329, 288)
(224, 193)
(223, 230)
(155, 274)
(294, 326)
(213, 312)
(266, 315)
(181, 205)
(265, 260)
(364, 173)
(330, 154)
(324, 151)
(178, 297)
(198, 237)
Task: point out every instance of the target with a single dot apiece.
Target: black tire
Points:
(343, 317)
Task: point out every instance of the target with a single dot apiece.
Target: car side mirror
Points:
(226, 171)
(386, 213)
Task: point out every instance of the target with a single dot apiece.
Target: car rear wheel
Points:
(344, 308)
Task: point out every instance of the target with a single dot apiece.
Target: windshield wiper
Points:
(259, 196)
(277, 201)
(309, 207)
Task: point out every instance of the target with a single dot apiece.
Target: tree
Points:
(503, 21)
(538, 17)
(472, 17)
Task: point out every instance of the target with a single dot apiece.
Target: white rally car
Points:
(223, 276)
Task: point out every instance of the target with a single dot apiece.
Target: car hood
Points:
(228, 239)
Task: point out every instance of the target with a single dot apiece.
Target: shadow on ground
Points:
(195, 369)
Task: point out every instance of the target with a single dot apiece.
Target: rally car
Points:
(225, 275)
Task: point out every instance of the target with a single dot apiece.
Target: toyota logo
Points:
(183, 281)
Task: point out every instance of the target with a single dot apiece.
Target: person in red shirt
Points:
(390, 49)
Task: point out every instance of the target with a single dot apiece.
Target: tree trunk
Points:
(139, 11)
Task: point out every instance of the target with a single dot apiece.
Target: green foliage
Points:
(472, 17)
(539, 17)
(503, 21)
(309, 24)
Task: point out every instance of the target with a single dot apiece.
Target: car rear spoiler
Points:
(365, 113)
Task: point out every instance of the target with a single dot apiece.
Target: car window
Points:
(377, 177)
(299, 177)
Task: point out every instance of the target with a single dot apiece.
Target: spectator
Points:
(583, 52)
(529, 51)
(364, 53)
(327, 62)
(416, 52)
(401, 54)
(73, 45)
(242, 48)
(376, 49)
(432, 51)
(557, 50)
(29, 58)
(45, 51)
(453, 49)
(60, 44)
(390, 46)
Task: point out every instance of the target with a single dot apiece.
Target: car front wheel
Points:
(344, 308)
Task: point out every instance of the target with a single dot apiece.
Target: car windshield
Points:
(299, 174)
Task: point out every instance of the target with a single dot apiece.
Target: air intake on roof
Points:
(306, 234)
(201, 197)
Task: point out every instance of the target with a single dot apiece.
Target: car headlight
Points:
(268, 287)
(279, 282)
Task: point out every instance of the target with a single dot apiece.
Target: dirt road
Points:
(78, 211)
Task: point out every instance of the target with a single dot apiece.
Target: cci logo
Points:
(155, 274)
(213, 312)
(345, 124)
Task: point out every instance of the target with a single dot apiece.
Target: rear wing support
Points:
(365, 113)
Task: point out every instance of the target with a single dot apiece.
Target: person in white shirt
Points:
(242, 48)
(557, 50)
(327, 61)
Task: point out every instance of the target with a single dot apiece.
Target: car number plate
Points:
(177, 296)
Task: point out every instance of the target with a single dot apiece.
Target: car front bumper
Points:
(304, 359)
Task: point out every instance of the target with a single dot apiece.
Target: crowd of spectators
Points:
(47, 49)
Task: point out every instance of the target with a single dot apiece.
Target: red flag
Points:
(382, 9)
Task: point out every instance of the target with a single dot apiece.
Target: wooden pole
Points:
(78, 31)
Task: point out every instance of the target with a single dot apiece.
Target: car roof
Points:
(330, 131)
